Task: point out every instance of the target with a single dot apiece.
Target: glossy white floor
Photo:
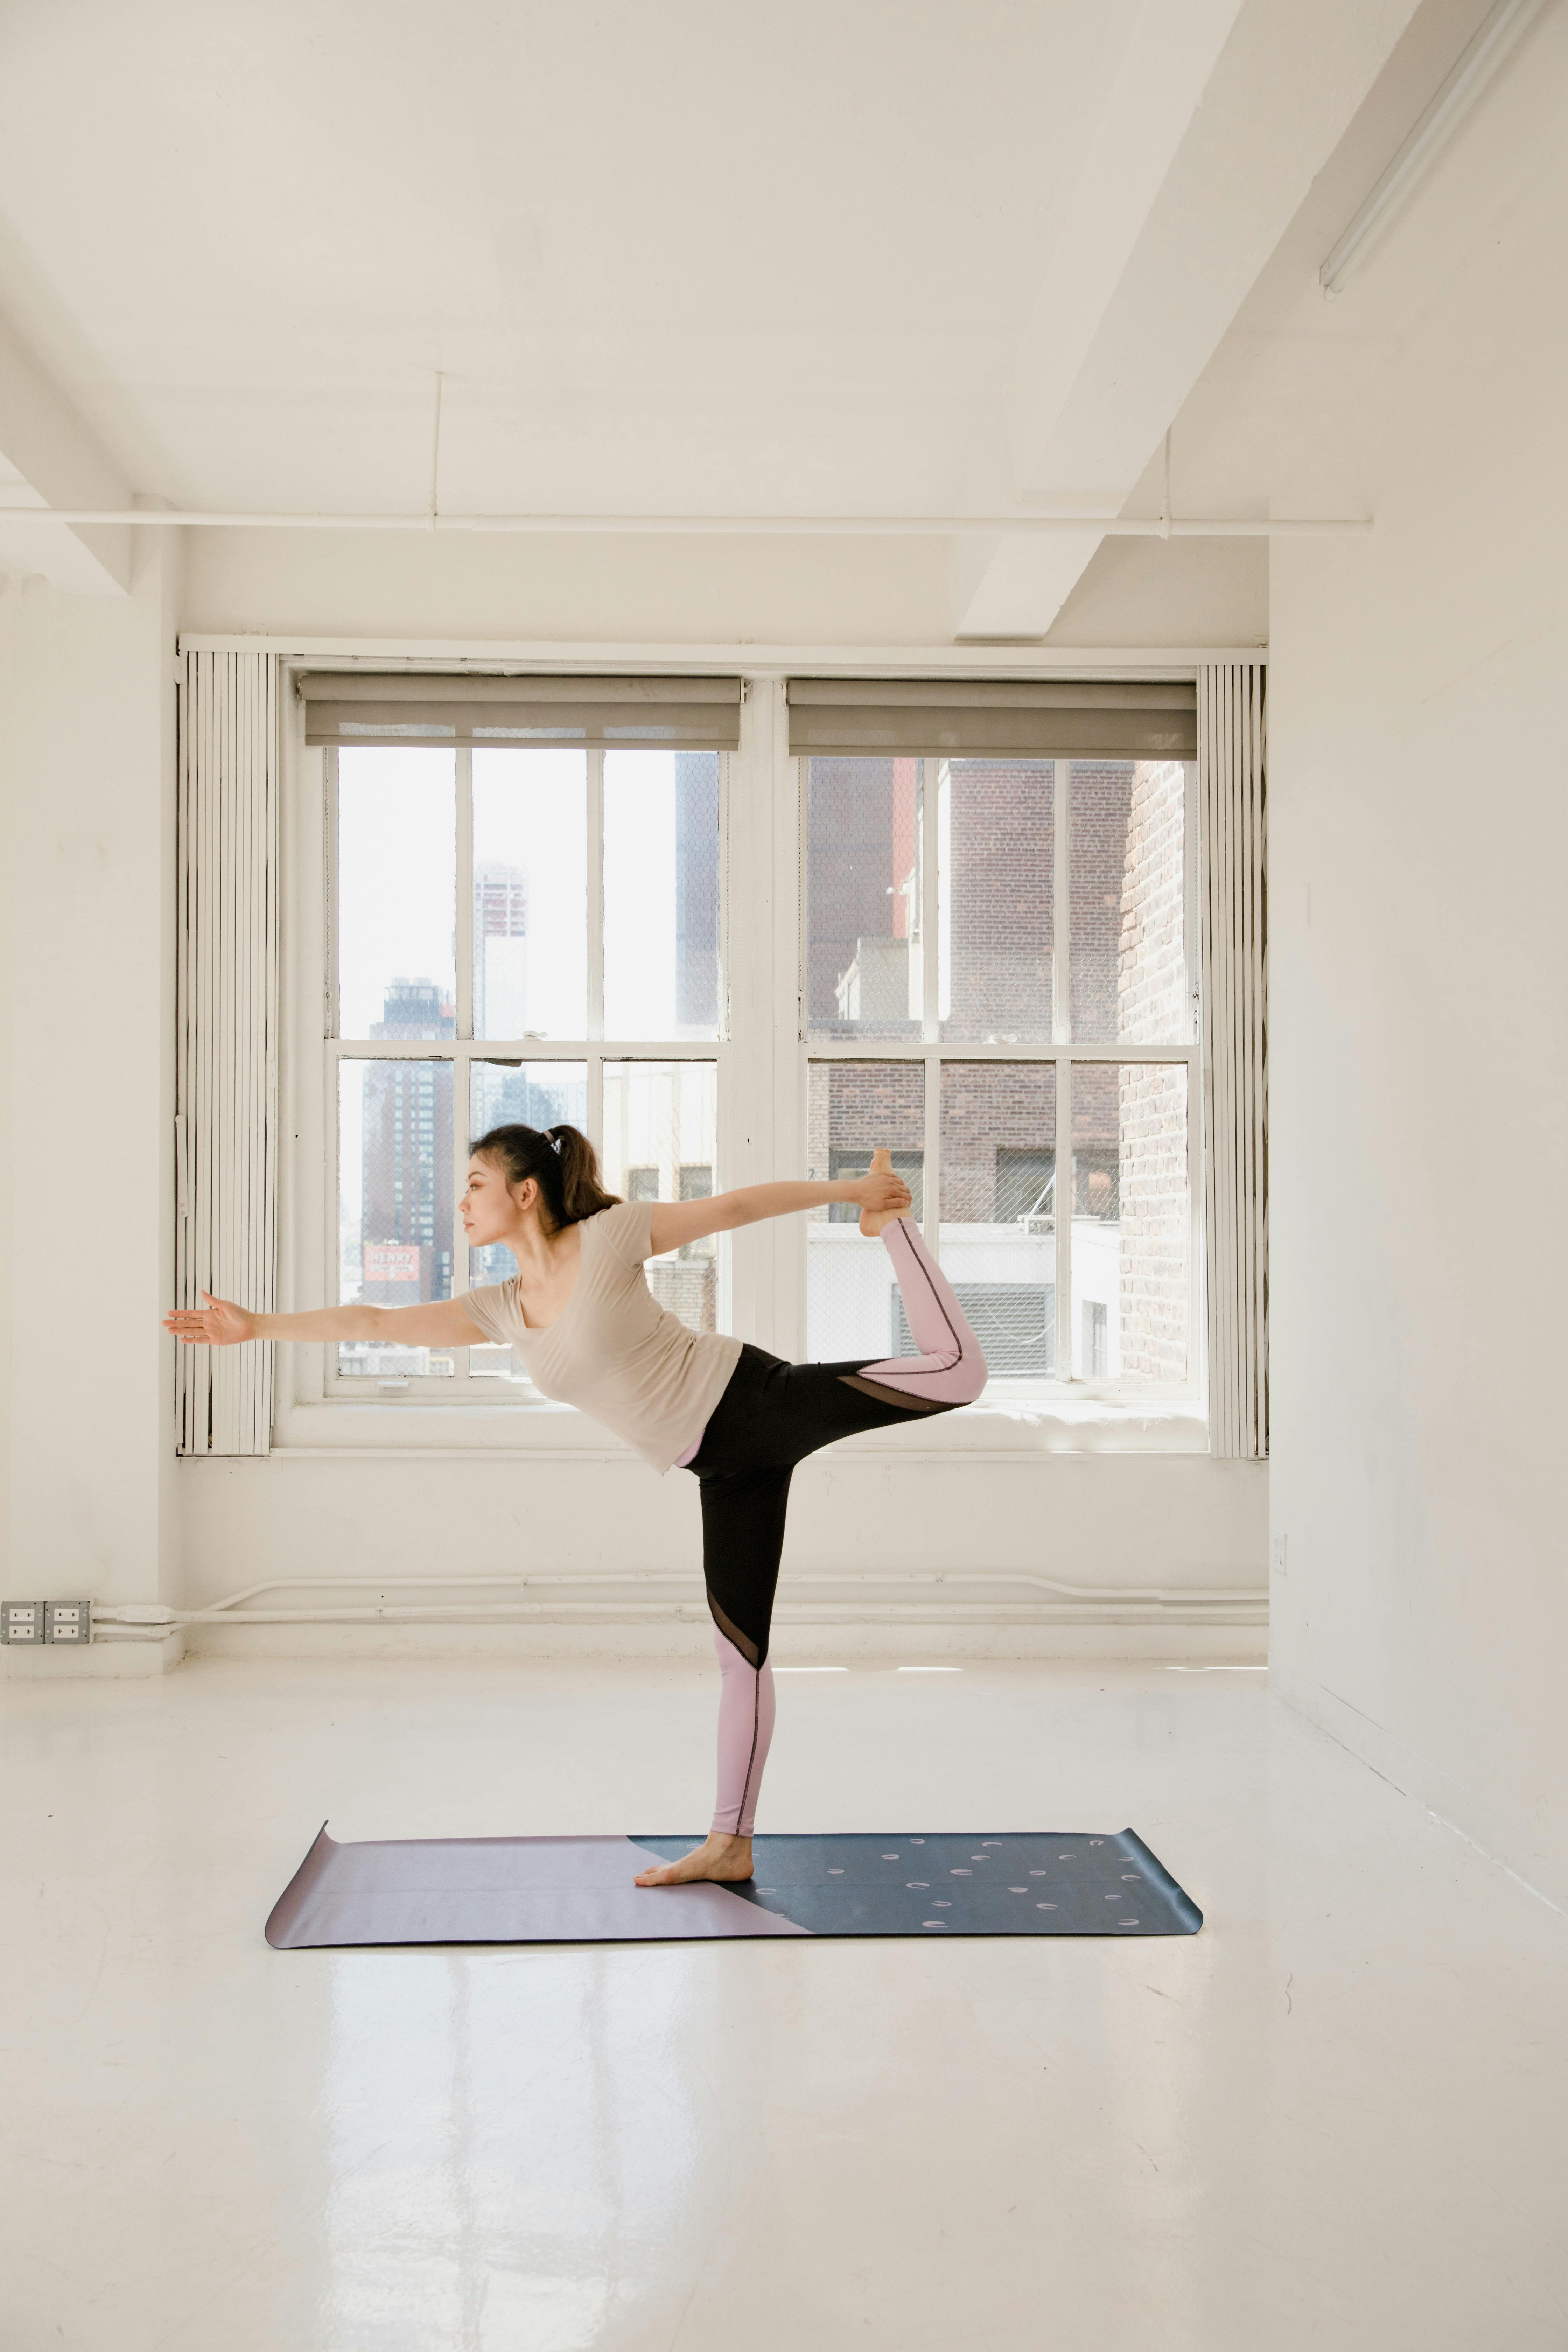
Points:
(1334, 2118)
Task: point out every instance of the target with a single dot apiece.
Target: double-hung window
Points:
(526, 925)
(999, 986)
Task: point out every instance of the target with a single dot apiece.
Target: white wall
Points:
(1166, 1522)
(87, 769)
(1419, 837)
(86, 1097)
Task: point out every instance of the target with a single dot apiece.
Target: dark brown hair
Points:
(562, 1161)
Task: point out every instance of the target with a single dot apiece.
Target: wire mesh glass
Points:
(865, 899)
(396, 892)
(662, 894)
(1131, 1222)
(530, 894)
(852, 1109)
(394, 1203)
(998, 1227)
(1127, 850)
(661, 1122)
(996, 830)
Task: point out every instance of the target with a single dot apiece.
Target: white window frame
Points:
(1062, 1054)
(318, 912)
(761, 1056)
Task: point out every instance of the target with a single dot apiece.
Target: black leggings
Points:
(771, 1416)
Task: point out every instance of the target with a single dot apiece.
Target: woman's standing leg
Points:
(745, 1734)
(743, 1509)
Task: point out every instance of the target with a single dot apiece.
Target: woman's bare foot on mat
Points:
(873, 1220)
(720, 1857)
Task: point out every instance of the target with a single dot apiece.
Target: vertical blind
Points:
(1231, 782)
(227, 1082)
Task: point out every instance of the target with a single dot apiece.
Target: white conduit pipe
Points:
(724, 526)
(153, 1620)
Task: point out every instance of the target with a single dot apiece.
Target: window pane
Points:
(997, 831)
(998, 1229)
(1127, 847)
(532, 1094)
(852, 1108)
(662, 894)
(863, 898)
(395, 1202)
(1132, 1222)
(660, 1144)
(397, 861)
(530, 894)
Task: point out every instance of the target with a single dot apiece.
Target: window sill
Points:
(1006, 1428)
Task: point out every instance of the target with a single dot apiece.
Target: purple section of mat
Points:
(499, 1891)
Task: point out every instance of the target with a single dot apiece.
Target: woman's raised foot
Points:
(718, 1857)
(873, 1220)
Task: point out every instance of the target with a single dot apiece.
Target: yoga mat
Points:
(579, 1890)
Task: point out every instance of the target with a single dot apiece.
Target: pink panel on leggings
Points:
(953, 1370)
(745, 1731)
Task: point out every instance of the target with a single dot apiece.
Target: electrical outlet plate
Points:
(22, 1621)
(68, 1620)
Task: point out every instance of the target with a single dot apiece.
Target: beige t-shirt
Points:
(616, 1352)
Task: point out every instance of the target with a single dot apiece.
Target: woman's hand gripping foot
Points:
(721, 1857)
(883, 1196)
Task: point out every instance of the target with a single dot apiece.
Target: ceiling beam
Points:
(1223, 116)
(42, 437)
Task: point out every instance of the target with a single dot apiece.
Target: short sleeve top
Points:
(615, 1352)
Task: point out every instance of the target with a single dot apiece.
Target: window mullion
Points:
(329, 845)
(932, 1219)
(462, 1092)
(1063, 1218)
(1061, 939)
(595, 1073)
(1061, 1030)
(595, 902)
(465, 911)
(930, 902)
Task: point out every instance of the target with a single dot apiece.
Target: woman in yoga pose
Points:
(581, 1315)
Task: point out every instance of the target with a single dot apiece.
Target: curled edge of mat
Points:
(1176, 1895)
(284, 1914)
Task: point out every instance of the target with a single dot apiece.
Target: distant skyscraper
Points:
(501, 949)
(407, 1156)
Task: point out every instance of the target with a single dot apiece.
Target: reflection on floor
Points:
(1338, 2116)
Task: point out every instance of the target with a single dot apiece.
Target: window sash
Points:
(464, 1050)
(1063, 1054)
(761, 1077)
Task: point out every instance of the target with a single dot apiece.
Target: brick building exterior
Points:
(1126, 823)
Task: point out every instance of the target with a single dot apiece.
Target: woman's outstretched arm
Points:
(220, 1324)
(677, 1222)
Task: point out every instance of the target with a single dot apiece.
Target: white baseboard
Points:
(796, 1637)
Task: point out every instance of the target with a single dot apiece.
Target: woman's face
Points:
(491, 1209)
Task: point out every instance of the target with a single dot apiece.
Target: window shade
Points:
(699, 714)
(1064, 719)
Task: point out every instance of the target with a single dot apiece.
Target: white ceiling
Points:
(697, 257)
(691, 255)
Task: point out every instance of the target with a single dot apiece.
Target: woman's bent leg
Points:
(745, 1730)
(951, 1369)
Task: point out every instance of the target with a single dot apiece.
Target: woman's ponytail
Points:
(582, 1193)
(562, 1161)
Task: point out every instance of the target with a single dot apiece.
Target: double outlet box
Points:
(30, 1624)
